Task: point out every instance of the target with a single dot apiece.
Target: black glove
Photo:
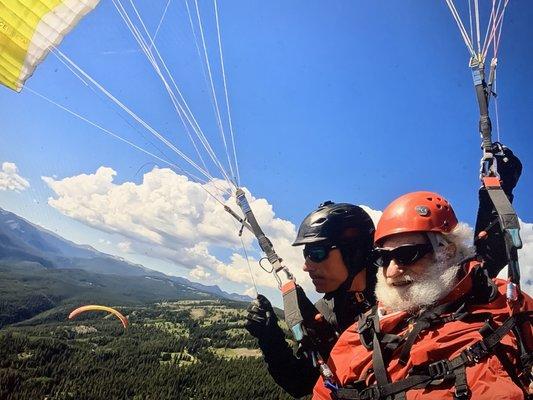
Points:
(262, 321)
(509, 167)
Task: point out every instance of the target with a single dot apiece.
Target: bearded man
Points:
(442, 328)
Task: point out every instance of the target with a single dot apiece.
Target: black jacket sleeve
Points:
(492, 247)
(296, 375)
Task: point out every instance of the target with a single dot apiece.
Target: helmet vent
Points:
(439, 206)
(339, 211)
(319, 221)
(430, 198)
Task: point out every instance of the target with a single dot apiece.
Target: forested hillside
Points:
(189, 349)
(185, 340)
(31, 290)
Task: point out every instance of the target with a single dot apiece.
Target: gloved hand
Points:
(509, 167)
(262, 321)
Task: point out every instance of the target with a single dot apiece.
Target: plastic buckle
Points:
(359, 297)
(331, 386)
(439, 369)
(370, 393)
(461, 394)
(365, 323)
(477, 352)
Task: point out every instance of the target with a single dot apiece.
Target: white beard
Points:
(426, 288)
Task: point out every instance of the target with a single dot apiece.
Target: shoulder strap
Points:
(422, 375)
(365, 327)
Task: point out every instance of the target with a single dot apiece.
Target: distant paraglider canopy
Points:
(93, 307)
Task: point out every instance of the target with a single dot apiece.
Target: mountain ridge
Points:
(22, 241)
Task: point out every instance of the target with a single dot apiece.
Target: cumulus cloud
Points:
(250, 292)
(124, 246)
(525, 258)
(10, 178)
(199, 273)
(169, 217)
(374, 214)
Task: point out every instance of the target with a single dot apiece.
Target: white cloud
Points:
(374, 214)
(199, 273)
(10, 179)
(250, 292)
(525, 258)
(174, 219)
(125, 246)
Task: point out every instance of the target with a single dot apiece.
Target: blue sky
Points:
(352, 101)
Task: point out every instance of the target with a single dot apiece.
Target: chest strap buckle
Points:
(477, 352)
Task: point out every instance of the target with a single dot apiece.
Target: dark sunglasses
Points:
(403, 255)
(318, 253)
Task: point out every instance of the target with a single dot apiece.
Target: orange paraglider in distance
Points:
(83, 309)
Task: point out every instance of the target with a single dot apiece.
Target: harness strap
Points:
(431, 317)
(462, 392)
(499, 352)
(422, 375)
(365, 328)
(413, 335)
(380, 369)
(511, 231)
(526, 357)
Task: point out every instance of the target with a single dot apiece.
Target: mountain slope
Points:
(22, 242)
(29, 290)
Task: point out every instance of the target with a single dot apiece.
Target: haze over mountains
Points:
(26, 245)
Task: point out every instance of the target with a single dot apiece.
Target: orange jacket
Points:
(350, 360)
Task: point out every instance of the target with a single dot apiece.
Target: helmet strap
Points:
(355, 261)
(442, 245)
(352, 258)
(437, 240)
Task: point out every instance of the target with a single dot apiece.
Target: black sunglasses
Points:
(318, 252)
(403, 255)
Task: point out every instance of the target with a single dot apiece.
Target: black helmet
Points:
(337, 224)
(347, 226)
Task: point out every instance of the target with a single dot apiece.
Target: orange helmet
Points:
(416, 212)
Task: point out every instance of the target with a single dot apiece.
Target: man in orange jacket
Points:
(442, 328)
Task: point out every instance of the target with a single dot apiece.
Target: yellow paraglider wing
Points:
(93, 307)
(29, 29)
